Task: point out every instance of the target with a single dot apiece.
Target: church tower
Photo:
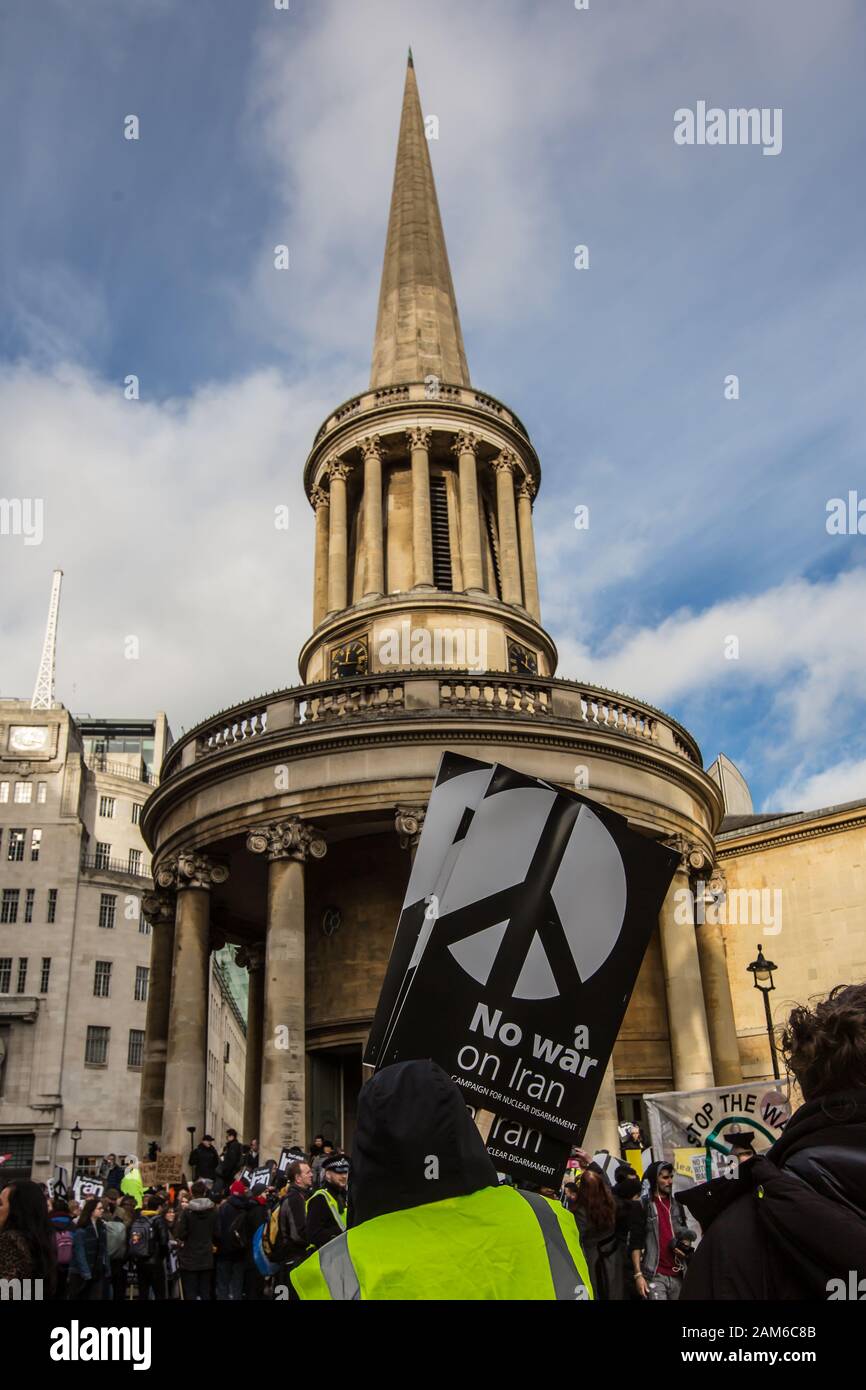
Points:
(422, 486)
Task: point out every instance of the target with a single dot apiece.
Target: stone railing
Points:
(420, 392)
(426, 694)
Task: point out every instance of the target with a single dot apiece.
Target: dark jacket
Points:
(230, 1162)
(114, 1177)
(195, 1228)
(293, 1226)
(410, 1110)
(794, 1218)
(321, 1223)
(234, 1209)
(204, 1161)
(645, 1226)
(90, 1252)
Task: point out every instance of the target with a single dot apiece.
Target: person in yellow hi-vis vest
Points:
(427, 1218)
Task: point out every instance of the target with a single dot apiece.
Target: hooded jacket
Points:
(644, 1232)
(409, 1114)
(794, 1218)
(195, 1231)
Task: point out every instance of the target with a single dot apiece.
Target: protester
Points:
(293, 1242)
(116, 1222)
(427, 1216)
(657, 1265)
(204, 1161)
(230, 1160)
(594, 1211)
(194, 1230)
(148, 1247)
(62, 1226)
(27, 1241)
(326, 1152)
(251, 1158)
(132, 1185)
(628, 1233)
(257, 1214)
(90, 1271)
(631, 1137)
(794, 1218)
(233, 1237)
(326, 1208)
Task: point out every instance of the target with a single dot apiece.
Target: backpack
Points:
(141, 1239)
(264, 1266)
(63, 1245)
(233, 1239)
(115, 1240)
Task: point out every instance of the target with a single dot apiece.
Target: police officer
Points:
(427, 1218)
(326, 1209)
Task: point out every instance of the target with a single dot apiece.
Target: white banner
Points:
(689, 1128)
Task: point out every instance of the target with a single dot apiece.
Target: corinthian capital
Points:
(409, 822)
(320, 498)
(506, 462)
(465, 443)
(190, 869)
(287, 839)
(526, 488)
(158, 908)
(251, 958)
(371, 447)
(419, 437)
(339, 470)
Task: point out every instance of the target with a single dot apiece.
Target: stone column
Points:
(602, 1132)
(253, 959)
(409, 822)
(322, 502)
(465, 447)
(422, 526)
(282, 1118)
(525, 493)
(374, 563)
(338, 538)
(159, 909)
(509, 559)
(690, 1039)
(716, 981)
(186, 1063)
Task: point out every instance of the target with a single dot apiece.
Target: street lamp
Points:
(76, 1139)
(762, 973)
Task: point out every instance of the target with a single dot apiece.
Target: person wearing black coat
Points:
(195, 1230)
(230, 1160)
(232, 1240)
(204, 1160)
(793, 1222)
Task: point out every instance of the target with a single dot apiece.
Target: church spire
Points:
(418, 327)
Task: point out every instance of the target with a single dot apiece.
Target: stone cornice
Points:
(753, 839)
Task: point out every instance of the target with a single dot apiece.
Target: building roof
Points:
(418, 327)
(768, 820)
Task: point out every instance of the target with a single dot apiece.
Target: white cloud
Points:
(846, 781)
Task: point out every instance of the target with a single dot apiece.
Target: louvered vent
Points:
(441, 536)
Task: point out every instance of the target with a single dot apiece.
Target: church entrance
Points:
(334, 1083)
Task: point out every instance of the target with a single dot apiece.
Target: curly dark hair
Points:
(825, 1046)
(28, 1215)
(596, 1200)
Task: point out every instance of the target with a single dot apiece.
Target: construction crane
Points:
(43, 694)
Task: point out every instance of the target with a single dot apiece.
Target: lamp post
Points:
(76, 1139)
(762, 974)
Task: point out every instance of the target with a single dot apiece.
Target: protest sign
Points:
(521, 982)
(258, 1179)
(287, 1156)
(169, 1168)
(688, 1128)
(459, 786)
(148, 1174)
(85, 1188)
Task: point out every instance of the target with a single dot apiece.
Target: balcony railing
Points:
(114, 866)
(97, 762)
(419, 391)
(424, 694)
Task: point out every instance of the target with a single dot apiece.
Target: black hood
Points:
(413, 1121)
(824, 1143)
(651, 1174)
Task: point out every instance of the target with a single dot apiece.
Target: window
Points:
(102, 979)
(4, 791)
(96, 1047)
(52, 905)
(135, 1055)
(226, 1053)
(5, 974)
(106, 806)
(35, 845)
(141, 977)
(15, 851)
(103, 854)
(41, 791)
(107, 909)
(46, 975)
(135, 861)
(28, 904)
(143, 924)
(22, 975)
(9, 909)
(24, 792)
(136, 812)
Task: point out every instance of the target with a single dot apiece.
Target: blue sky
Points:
(154, 257)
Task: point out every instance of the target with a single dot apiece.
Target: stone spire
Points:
(418, 327)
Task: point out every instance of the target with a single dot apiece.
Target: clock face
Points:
(350, 659)
(28, 738)
(521, 661)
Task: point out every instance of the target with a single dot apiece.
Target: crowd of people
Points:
(420, 1212)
